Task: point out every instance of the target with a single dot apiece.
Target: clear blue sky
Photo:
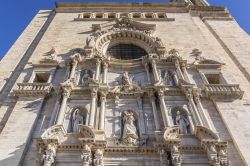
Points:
(15, 15)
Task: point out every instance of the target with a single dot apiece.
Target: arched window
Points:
(126, 51)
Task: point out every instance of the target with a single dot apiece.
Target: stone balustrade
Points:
(225, 90)
(27, 89)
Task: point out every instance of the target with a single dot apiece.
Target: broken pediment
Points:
(124, 23)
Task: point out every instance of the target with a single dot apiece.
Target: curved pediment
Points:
(204, 133)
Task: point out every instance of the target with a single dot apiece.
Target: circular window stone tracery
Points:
(126, 51)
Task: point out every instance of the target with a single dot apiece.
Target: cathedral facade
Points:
(94, 84)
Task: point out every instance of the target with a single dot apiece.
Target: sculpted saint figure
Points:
(85, 77)
(168, 78)
(182, 122)
(129, 129)
(126, 79)
(77, 119)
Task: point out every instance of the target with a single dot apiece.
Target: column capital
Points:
(94, 93)
(105, 64)
(103, 95)
(161, 92)
(98, 61)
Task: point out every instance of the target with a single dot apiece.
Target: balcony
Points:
(223, 90)
(32, 89)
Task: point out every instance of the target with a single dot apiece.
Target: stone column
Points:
(204, 114)
(105, 72)
(192, 106)
(185, 73)
(93, 108)
(65, 96)
(147, 72)
(102, 111)
(178, 69)
(98, 66)
(155, 72)
(164, 110)
(56, 107)
(154, 108)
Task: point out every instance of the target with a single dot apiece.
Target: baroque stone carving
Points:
(86, 77)
(98, 161)
(129, 135)
(86, 156)
(183, 123)
(48, 156)
(76, 120)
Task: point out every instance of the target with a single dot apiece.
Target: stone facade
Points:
(127, 84)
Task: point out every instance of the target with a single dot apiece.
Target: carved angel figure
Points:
(182, 122)
(129, 129)
(76, 119)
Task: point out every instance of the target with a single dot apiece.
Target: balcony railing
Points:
(225, 90)
(32, 89)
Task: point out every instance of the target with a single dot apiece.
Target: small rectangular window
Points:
(41, 78)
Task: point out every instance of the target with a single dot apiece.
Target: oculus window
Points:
(126, 51)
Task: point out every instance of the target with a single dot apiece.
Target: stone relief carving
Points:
(50, 56)
(77, 119)
(48, 156)
(183, 123)
(98, 161)
(129, 134)
(86, 156)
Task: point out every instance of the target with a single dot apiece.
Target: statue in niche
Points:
(130, 135)
(183, 123)
(85, 77)
(76, 119)
(168, 78)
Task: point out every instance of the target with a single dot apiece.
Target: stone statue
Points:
(49, 155)
(85, 77)
(168, 79)
(90, 41)
(116, 88)
(129, 129)
(76, 119)
(98, 158)
(126, 80)
(182, 122)
(86, 156)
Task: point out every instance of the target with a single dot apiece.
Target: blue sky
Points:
(15, 15)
